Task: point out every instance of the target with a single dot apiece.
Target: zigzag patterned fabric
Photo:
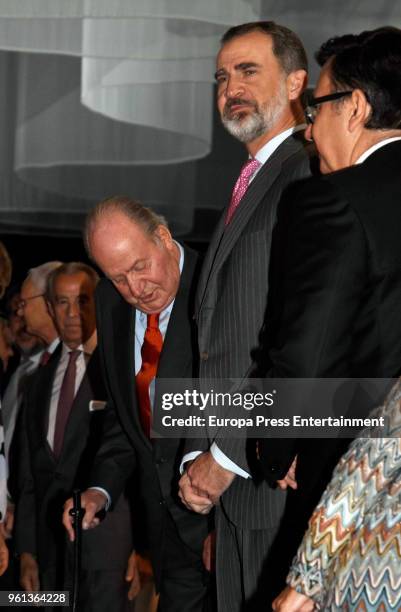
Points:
(350, 557)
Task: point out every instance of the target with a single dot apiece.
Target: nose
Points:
(308, 133)
(136, 286)
(233, 87)
(73, 309)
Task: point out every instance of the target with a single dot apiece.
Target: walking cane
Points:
(77, 513)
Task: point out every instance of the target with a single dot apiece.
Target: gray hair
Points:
(145, 217)
(73, 267)
(39, 275)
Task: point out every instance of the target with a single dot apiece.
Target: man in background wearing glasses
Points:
(32, 307)
(336, 259)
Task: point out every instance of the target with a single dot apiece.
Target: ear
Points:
(163, 234)
(296, 83)
(360, 110)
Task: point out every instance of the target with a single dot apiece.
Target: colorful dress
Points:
(350, 557)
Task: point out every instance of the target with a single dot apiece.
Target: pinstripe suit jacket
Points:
(230, 308)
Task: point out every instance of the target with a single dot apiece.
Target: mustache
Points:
(237, 102)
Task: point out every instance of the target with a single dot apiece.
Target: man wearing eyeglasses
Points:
(32, 306)
(337, 243)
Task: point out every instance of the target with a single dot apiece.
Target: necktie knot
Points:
(249, 168)
(153, 321)
(73, 355)
(247, 171)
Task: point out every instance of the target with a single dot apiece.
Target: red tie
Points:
(151, 349)
(240, 187)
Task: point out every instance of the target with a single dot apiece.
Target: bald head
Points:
(137, 254)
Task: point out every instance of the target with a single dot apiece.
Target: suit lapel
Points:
(209, 260)
(123, 351)
(79, 410)
(43, 398)
(226, 237)
(175, 355)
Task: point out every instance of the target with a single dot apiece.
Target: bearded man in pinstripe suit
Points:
(261, 74)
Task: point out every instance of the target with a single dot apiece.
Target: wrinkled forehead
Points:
(74, 285)
(114, 228)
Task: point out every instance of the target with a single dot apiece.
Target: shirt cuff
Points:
(189, 457)
(225, 462)
(108, 502)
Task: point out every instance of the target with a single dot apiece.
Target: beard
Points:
(247, 126)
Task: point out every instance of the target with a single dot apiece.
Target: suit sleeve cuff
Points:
(108, 502)
(225, 462)
(189, 457)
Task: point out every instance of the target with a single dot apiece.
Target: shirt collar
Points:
(167, 311)
(268, 149)
(33, 359)
(66, 349)
(84, 348)
(375, 147)
(53, 345)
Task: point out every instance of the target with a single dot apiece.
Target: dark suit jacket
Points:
(46, 483)
(337, 290)
(230, 309)
(156, 462)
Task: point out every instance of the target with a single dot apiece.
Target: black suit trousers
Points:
(186, 586)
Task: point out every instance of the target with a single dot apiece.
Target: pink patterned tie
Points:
(248, 169)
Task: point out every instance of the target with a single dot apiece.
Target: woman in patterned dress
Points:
(350, 557)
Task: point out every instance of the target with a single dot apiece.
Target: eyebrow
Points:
(237, 67)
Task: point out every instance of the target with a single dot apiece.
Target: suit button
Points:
(273, 469)
(160, 461)
(204, 356)
(162, 502)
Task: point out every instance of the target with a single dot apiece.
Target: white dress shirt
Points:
(268, 149)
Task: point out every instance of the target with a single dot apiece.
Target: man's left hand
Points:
(208, 478)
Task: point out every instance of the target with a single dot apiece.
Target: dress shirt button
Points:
(204, 356)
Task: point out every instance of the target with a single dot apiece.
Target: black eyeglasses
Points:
(314, 103)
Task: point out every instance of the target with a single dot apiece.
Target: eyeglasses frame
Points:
(22, 303)
(316, 102)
